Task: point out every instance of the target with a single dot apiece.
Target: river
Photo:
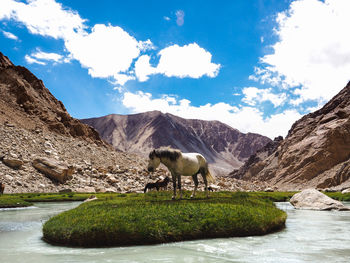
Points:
(310, 236)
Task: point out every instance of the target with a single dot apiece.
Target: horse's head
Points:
(153, 161)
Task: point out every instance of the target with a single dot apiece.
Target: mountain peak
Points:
(223, 146)
(4, 61)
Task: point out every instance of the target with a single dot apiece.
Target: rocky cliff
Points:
(25, 101)
(315, 153)
(224, 147)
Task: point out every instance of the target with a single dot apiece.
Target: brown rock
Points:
(53, 169)
(13, 163)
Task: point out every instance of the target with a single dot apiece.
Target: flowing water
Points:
(310, 236)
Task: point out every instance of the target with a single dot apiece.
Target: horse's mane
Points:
(165, 152)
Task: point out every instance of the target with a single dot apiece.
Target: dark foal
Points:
(2, 188)
(158, 184)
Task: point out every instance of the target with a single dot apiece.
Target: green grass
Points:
(9, 201)
(138, 219)
(339, 196)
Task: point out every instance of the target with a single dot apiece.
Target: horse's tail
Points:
(210, 178)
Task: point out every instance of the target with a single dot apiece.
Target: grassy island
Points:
(140, 219)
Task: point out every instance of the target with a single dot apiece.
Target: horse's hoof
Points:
(173, 198)
(192, 196)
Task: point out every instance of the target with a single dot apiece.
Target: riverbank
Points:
(27, 199)
(152, 218)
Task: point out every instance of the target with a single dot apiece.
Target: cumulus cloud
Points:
(9, 35)
(245, 119)
(186, 61)
(180, 17)
(143, 68)
(106, 51)
(43, 17)
(253, 95)
(175, 61)
(312, 54)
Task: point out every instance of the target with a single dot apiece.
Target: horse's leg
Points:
(179, 184)
(174, 185)
(204, 175)
(195, 180)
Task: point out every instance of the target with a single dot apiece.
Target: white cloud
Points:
(146, 45)
(245, 119)
(40, 57)
(143, 68)
(180, 17)
(43, 17)
(107, 51)
(253, 95)
(47, 56)
(32, 60)
(313, 50)
(187, 61)
(166, 18)
(10, 35)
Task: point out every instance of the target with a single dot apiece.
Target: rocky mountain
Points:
(224, 147)
(315, 153)
(28, 103)
(44, 149)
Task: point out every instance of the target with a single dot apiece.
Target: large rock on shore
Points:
(53, 169)
(314, 200)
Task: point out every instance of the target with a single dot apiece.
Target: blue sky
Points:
(256, 65)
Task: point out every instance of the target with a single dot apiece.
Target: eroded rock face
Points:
(312, 199)
(316, 152)
(22, 92)
(224, 147)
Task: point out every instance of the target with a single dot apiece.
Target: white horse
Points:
(178, 163)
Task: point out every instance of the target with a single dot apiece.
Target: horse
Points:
(160, 183)
(178, 163)
(2, 188)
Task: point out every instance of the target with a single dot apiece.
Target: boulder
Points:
(346, 191)
(53, 169)
(315, 200)
(268, 189)
(91, 198)
(12, 162)
(86, 189)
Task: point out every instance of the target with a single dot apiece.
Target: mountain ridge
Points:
(222, 145)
